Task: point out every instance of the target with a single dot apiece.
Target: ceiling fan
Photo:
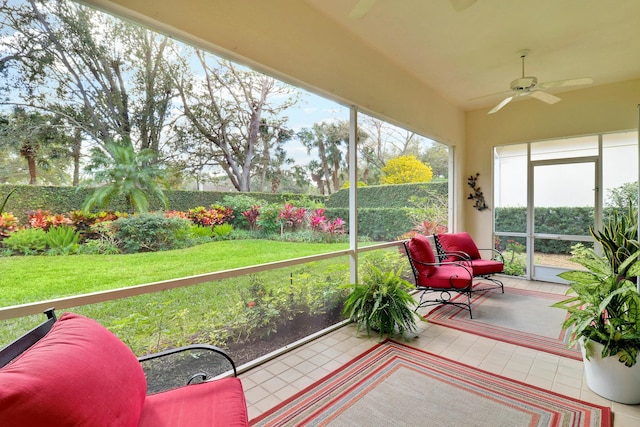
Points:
(529, 86)
(364, 6)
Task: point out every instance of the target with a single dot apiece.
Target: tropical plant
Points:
(118, 171)
(222, 231)
(619, 238)
(606, 304)
(605, 307)
(381, 303)
(62, 240)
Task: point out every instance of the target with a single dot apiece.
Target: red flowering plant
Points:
(252, 216)
(329, 230)
(292, 217)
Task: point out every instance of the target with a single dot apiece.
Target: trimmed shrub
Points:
(152, 233)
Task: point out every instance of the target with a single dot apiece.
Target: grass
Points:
(239, 309)
(37, 278)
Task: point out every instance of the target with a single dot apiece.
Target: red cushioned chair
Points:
(438, 281)
(74, 372)
(460, 247)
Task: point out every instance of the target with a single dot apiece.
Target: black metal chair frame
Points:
(444, 295)
(24, 342)
(465, 257)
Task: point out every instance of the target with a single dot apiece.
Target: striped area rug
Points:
(519, 316)
(397, 385)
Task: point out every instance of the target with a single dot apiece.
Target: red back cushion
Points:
(420, 250)
(79, 374)
(459, 242)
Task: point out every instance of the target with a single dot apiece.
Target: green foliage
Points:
(429, 215)
(405, 170)
(62, 240)
(389, 196)
(6, 199)
(222, 231)
(120, 171)
(571, 220)
(618, 238)
(27, 241)
(99, 247)
(515, 262)
(621, 197)
(268, 219)
(151, 233)
(381, 303)
(605, 307)
(240, 203)
(381, 224)
(606, 304)
(201, 232)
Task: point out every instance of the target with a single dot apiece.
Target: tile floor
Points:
(276, 380)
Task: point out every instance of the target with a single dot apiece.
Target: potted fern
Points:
(604, 310)
(381, 303)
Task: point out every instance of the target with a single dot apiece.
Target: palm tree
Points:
(118, 171)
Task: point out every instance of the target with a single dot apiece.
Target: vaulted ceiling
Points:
(474, 51)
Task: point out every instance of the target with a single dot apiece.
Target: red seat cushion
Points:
(447, 277)
(79, 374)
(483, 267)
(215, 403)
(420, 250)
(459, 242)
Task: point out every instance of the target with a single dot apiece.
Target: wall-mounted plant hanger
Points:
(476, 195)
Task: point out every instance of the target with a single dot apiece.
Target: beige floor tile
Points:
(269, 384)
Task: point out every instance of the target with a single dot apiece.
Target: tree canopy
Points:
(404, 170)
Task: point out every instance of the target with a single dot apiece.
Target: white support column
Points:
(353, 193)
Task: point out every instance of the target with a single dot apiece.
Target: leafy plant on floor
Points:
(606, 304)
(381, 303)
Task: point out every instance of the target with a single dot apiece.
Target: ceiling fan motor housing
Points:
(524, 83)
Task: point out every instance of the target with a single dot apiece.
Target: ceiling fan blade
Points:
(361, 8)
(568, 82)
(460, 5)
(502, 104)
(544, 96)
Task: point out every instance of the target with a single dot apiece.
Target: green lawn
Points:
(36, 278)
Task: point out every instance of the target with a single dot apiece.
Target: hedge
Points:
(388, 196)
(66, 199)
(564, 220)
(380, 224)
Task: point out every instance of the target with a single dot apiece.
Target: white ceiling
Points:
(474, 52)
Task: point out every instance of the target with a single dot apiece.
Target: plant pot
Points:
(609, 378)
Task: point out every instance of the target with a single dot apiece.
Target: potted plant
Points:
(604, 311)
(381, 303)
